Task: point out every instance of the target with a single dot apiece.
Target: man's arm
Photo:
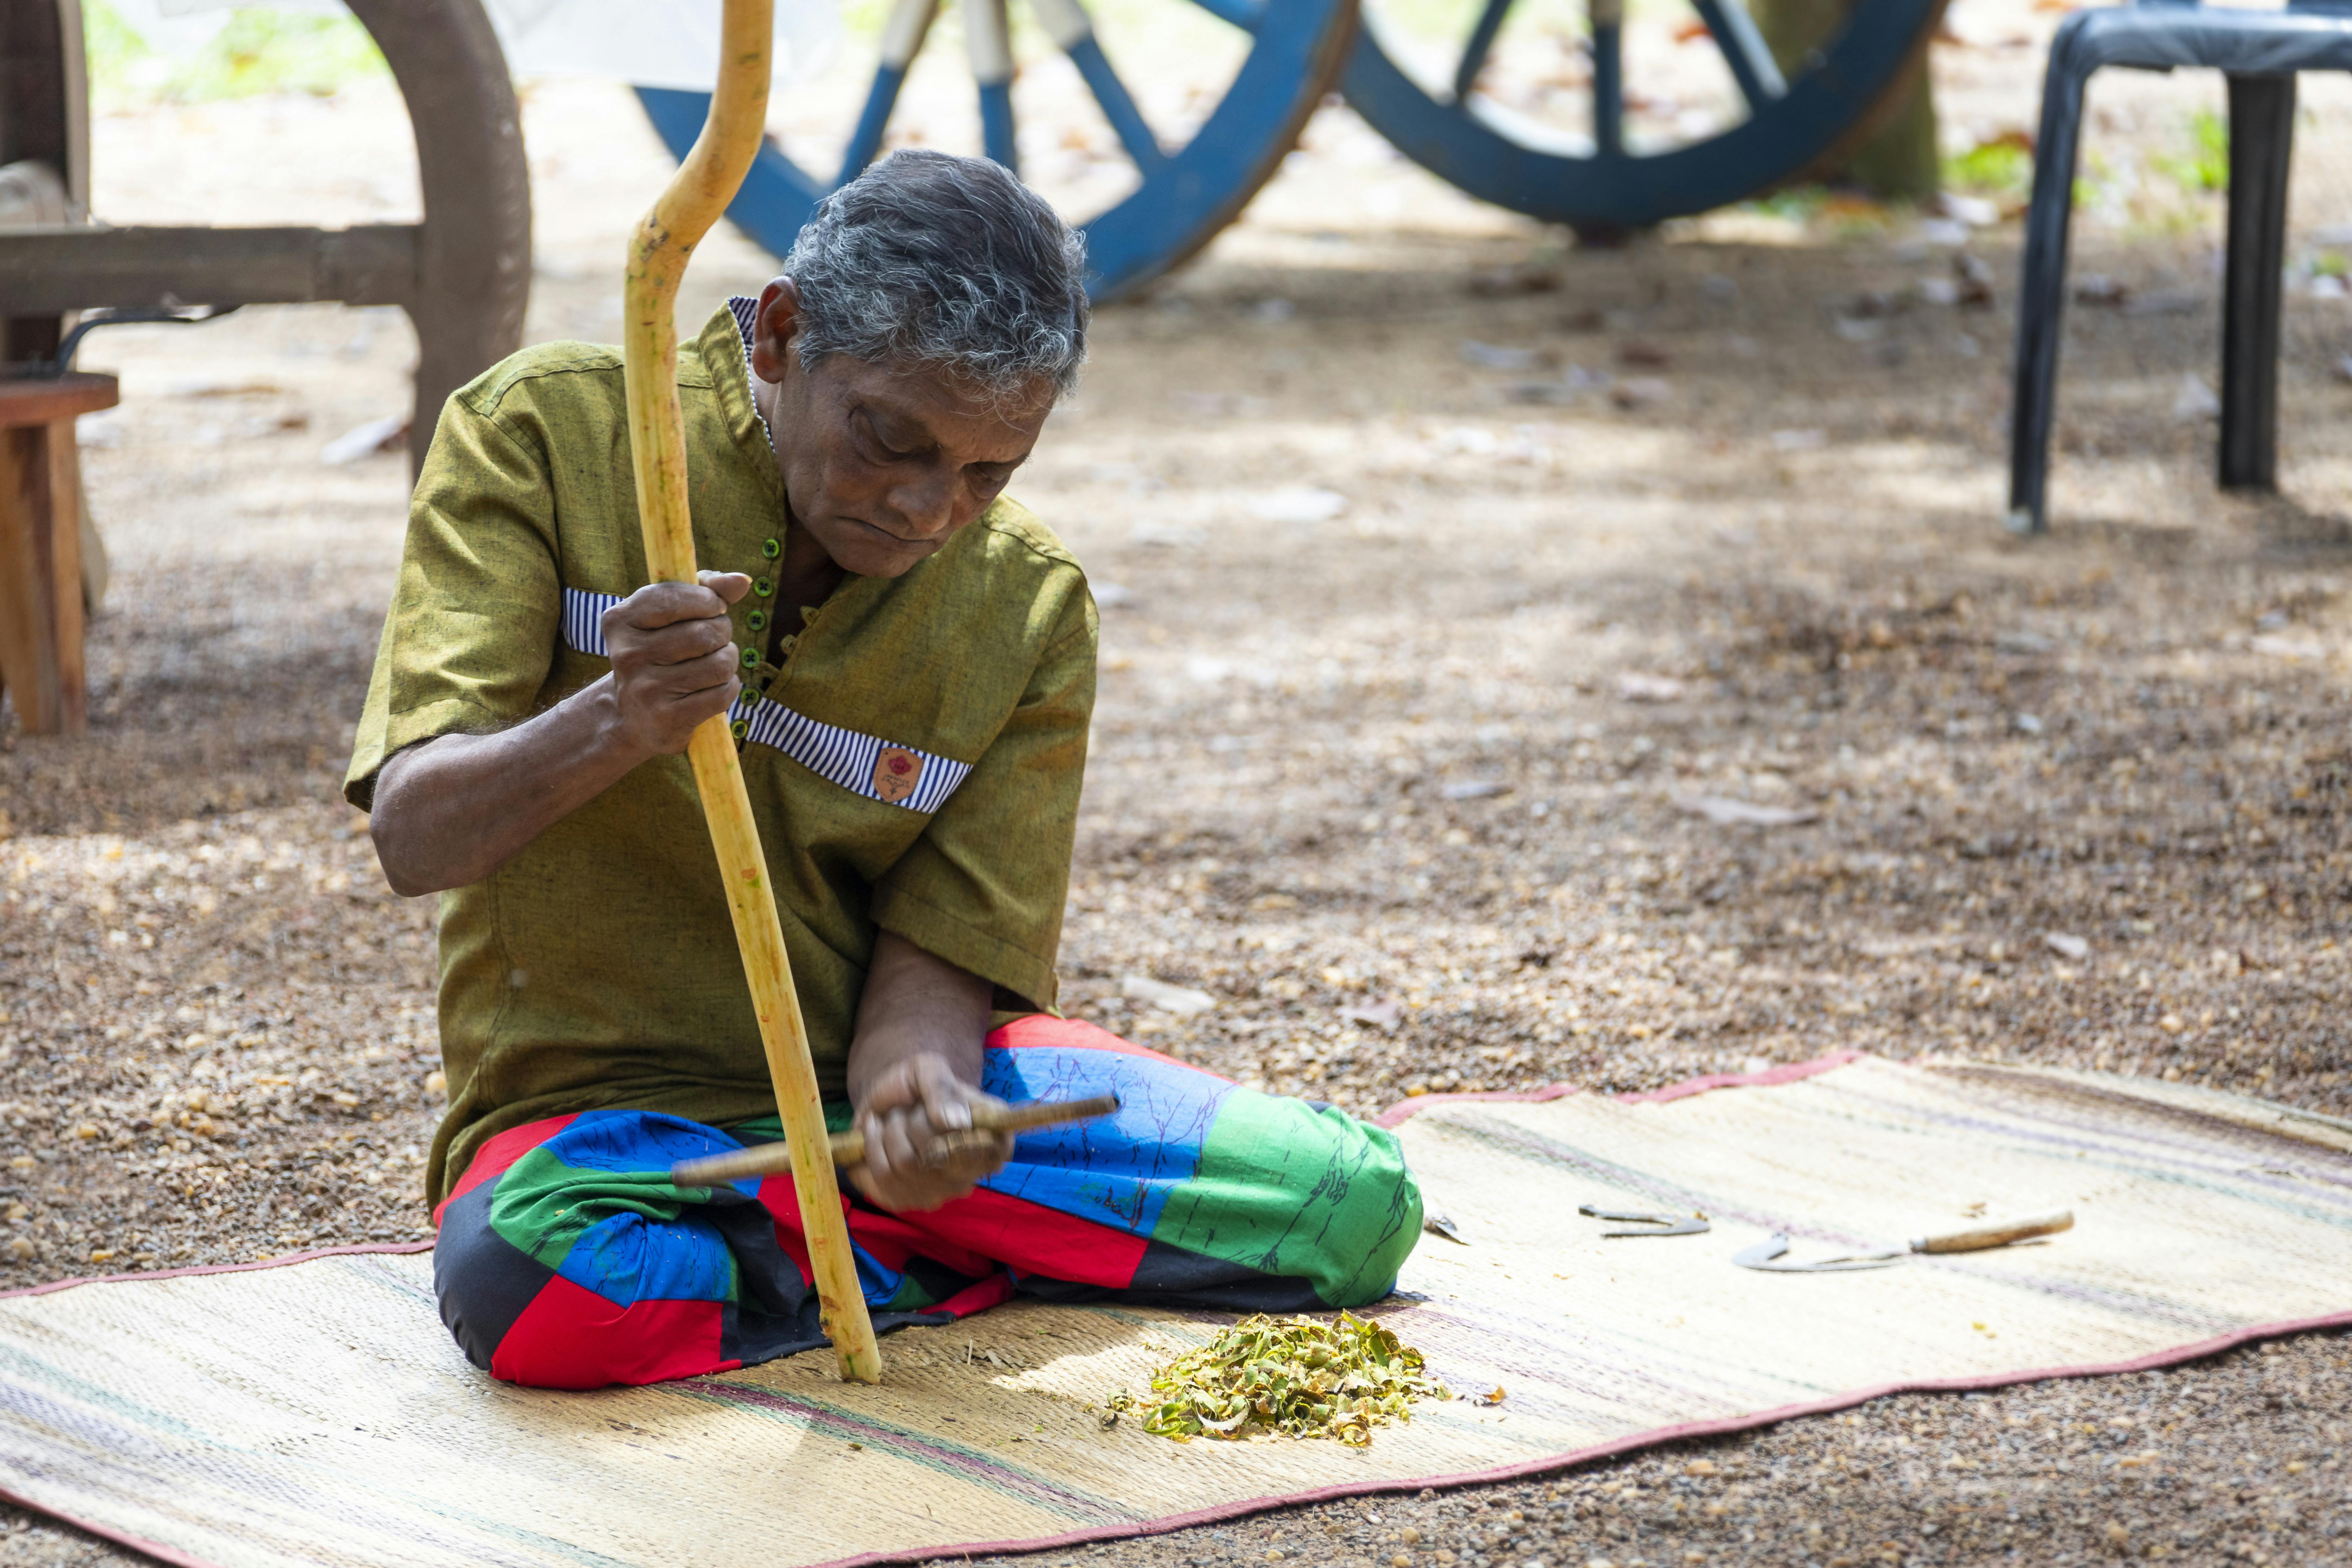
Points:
(456, 808)
(914, 1072)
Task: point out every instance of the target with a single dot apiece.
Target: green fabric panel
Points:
(911, 1296)
(838, 1115)
(1301, 1193)
(541, 1206)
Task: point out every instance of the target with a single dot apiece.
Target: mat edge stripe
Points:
(156, 1550)
(144, 1276)
(1403, 1110)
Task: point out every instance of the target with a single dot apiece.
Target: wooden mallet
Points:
(705, 183)
(849, 1149)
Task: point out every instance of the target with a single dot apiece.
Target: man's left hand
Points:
(910, 1104)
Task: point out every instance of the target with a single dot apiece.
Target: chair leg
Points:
(67, 617)
(2262, 144)
(40, 581)
(23, 480)
(2041, 286)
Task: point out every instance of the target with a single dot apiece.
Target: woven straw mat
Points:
(318, 1413)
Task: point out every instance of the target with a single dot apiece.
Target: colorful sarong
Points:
(565, 1259)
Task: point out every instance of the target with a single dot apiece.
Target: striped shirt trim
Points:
(584, 620)
(843, 756)
(746, 311)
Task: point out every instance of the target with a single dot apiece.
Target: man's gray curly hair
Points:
(943, 263)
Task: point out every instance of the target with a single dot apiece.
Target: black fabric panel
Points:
(936, 1277)
(779, 1314)
(768, 1279)
(482, 1281)
(750, 1336)
(1172, 1277)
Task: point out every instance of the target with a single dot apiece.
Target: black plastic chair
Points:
(2261, 52)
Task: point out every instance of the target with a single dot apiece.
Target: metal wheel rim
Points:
(1824, 106)
(1297, 50)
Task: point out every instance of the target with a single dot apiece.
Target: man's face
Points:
(881, 466)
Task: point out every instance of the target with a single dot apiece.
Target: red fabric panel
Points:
(1040, 1031)
(1032, 1239)
(889, 1239)
(979, 1233)
(892, 1238)
(780, 1199)
(992, 1292)
(570, 1337)
(492, 1158)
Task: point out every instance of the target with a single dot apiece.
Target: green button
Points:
(756, 620)
(750, 657)
(771, 549)
(740, 728)
(762, 587)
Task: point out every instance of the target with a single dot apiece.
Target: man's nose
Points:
(927, 505)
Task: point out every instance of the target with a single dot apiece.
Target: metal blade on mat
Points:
(1654, 1224)
(1770, 1257)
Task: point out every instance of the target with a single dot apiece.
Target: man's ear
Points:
(773, 328)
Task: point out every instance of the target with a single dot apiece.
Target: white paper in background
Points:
(180, 27)
(646, 43)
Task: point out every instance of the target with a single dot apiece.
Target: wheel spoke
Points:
(1751, 63)
(996, 129)
(1134, 130)
(989, 44)
(1474, 52)
(902, 39)
(1608, 78)
(866, 140)
(1066, 22)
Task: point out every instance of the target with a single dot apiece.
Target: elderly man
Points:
(908, 659)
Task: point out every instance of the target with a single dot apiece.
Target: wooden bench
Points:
(40, 548)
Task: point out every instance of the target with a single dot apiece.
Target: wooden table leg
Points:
(40, 578)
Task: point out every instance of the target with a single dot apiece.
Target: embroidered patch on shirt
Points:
(862, 764)
(897, 773)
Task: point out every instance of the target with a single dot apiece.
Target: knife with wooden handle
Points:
(1772, 1256)
(1997, 1233)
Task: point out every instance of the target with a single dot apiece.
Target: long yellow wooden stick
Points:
(706, 182)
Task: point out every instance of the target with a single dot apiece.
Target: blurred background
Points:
(1529, 656)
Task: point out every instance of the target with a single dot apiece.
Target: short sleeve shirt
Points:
(913, 747)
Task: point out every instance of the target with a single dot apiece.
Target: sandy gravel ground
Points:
(1452, 583)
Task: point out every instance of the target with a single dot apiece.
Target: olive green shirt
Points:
(913, 752)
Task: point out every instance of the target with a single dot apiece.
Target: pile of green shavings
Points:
(1299, 1377)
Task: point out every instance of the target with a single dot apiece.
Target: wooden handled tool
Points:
(1997, 1233)
(705, 183)
(1772, 1256)
(849, 1148)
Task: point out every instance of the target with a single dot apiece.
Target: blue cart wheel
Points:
(1531, 105)
(1180, 197)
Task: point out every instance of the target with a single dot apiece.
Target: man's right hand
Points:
(674, 659)
(451, 810)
